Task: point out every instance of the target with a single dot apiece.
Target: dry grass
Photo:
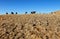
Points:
(30, 26)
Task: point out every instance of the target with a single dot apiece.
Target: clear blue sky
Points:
(22, 6)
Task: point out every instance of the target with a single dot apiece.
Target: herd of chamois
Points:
(33, 12)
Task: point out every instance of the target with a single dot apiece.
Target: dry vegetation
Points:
(30, 26)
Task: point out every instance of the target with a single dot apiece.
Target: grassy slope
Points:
(30, 26)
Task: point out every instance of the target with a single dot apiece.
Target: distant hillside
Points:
(56, 12)
(30, 26)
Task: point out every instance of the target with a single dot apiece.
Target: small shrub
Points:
(6, 12)
(33, 12)
(16, 13)
(34, 24)
(26, 12)
(12, 12)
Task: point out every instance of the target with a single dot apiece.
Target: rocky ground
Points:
(30, 26)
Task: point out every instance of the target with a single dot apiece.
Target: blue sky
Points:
(22, 6)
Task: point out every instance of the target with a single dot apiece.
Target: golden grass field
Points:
(30, 26)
